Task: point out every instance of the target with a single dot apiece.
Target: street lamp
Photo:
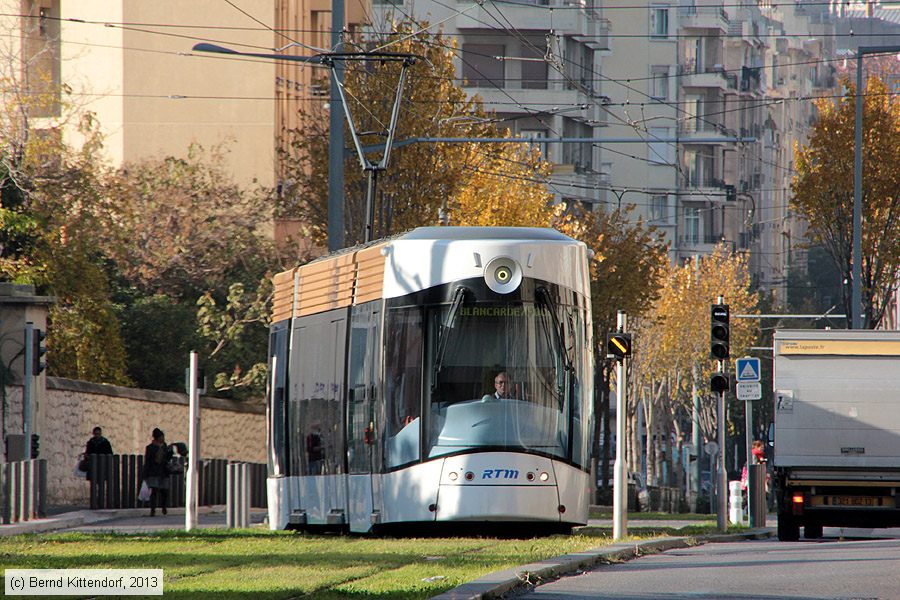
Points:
(856, 308)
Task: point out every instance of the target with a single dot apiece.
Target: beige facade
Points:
(130, 63)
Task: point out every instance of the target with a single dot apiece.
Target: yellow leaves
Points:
(504, 187)
(675, 335)
(823, 187)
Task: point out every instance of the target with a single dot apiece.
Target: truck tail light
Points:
(797, 504)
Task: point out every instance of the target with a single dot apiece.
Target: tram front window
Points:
(499, 378)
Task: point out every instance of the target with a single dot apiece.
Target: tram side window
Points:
(278, 369)
(362, 423)
(403, 385)
(315, 413)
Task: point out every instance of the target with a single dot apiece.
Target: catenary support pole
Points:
(336, 136)
(620, 480)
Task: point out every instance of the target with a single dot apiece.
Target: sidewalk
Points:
(122, 520)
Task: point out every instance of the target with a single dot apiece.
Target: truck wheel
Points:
(788, 529)
(812, 531)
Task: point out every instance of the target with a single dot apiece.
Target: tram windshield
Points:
(498, 376)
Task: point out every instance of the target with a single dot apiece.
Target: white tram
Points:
(382, 408)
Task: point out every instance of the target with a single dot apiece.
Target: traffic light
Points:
(718, 331)
(619, 345)
(38, 351)
(718, 382)
(35, 445)
(730, 193)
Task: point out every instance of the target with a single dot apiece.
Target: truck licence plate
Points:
(861, 501)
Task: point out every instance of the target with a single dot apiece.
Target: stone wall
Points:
(72, 409)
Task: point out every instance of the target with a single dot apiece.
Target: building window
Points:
(534, 67)
(659, 77)
(659, 21)
(692, 225)
(659, 146)
(659, 208)
(481, 65)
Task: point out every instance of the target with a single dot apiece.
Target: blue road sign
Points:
(747, 369)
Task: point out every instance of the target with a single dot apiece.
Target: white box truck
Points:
(837, 430)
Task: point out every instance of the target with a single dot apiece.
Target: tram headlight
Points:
(453, 476)
(545, 476)
(503, 275)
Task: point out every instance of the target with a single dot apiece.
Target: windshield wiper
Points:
(543, 295)
(458, 298)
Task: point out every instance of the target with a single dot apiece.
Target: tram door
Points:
(316, 414)
(363, 449)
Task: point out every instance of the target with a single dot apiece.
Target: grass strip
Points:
(279, 565)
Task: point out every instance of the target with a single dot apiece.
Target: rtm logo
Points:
(500, 474)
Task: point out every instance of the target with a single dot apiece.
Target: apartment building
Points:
(130, 63)
(537, 65)
(711, 95)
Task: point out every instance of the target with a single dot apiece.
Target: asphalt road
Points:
(845, 564)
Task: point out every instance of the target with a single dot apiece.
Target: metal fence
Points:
(23, 490)
(116, 481)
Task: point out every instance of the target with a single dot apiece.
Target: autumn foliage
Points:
(823, 191)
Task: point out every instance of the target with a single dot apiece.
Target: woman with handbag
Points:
(156, 474)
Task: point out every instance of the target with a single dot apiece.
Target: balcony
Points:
(702, 131)
(703, 17)
(534, 15)
(700, 241)
(599, 40)
(694, 75)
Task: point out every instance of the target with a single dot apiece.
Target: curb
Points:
(79, 518)
(520, 579)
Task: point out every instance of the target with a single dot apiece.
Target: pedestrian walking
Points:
(156, 472)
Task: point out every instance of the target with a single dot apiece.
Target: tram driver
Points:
(501, 388)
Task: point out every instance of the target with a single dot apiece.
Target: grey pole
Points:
(620, 480)
(191, 516)
(856, 308)
(856, 267)
(722, 474)
(336, 137)
(748, 424)
(694, 471)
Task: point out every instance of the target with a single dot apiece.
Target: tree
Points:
(189, 242)
(823, 192)
(62, 207)
(672, 343)
(628, 260)
(506, 187)
(186, 228)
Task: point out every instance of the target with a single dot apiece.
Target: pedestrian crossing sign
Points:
(747, 369)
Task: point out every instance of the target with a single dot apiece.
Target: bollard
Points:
(735, 503)
(237, 508)
(756, 491)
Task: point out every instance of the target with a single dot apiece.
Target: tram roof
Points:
(480, 233)
(356, 274)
